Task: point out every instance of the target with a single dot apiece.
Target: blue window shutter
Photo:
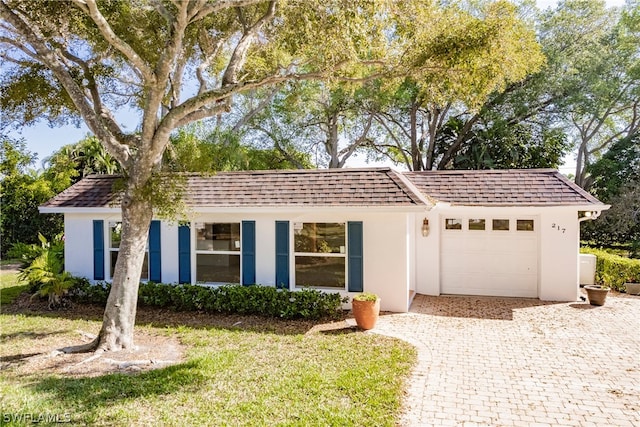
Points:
(98, 249)
(282, 254)
(155, 263)
(184, 254)
(248, 252)
(356, 249)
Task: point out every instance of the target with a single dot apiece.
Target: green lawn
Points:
(10, 287)
(230, 377)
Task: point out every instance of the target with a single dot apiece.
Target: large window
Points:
(115, 237)
(218, 253)
(320, 254)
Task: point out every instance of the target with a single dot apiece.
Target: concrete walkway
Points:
(521, 362)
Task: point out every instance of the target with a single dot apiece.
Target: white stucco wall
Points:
(387, 238)
(169, 253)
(427, 254)
(559, 255)
(387, 267)
(78, 245)
(558, 247)
(397, 257)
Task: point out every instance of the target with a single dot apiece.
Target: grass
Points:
(10, 287)
(229, 377)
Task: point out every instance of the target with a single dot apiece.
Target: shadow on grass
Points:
(17, 357)
(30, 335)
(167, 318)
(87, 396)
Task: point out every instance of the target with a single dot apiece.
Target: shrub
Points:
(45, 275)
(614, 270)
(84, 291)
(25, 253)
(255, 299)
(366, 296)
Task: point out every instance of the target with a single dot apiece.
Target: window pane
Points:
(144, 275)
(320, 237)
(453, 224)
(319, 271)
(218, 268)
(218, 237)
(476, 224)
(501, 224)
(115, 233)
(524, 225)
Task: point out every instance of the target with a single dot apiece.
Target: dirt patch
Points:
(154, 349)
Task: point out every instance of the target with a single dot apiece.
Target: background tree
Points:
(604, 70)
(22, 190)
(329, 120)
(616, 181)
(221, 150)
(454, 63)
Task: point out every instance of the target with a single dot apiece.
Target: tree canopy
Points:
(421, 82)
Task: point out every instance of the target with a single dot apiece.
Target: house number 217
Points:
(557, 227)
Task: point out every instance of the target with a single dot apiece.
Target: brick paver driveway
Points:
(511, 361)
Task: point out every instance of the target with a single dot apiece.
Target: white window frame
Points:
(214, 252)
(111, 249)
(344, 255)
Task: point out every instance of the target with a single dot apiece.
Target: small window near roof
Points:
(453, 224)
(476, 224)
(524, 225)
(501, 225)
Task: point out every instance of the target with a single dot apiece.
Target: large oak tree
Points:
(171, 63)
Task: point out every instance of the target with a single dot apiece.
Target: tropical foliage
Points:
(45, 275)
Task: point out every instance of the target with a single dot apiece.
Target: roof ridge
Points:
(410, 186)
(290, 171)
(482, 171)
(584, 193)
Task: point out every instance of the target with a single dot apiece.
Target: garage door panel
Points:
(476, 264)
(492, 263)
(475, 244)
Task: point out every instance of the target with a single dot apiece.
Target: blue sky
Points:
(44, 140)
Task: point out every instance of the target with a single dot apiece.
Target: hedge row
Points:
(259, 300)
(614, 270)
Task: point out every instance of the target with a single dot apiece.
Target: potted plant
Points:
(366, 309)
(597, 294)
(632, 285)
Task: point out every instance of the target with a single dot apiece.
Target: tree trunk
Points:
(331, 143)
(416, 157)
(120, 313)
(580, 158)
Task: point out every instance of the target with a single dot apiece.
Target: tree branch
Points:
(49, 57)
(239, 56)
(203, 12)
(91, 8)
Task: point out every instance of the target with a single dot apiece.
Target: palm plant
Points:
(46, 273)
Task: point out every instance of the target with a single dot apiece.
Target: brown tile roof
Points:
(513, 187)
(339, 187)
(351, 188)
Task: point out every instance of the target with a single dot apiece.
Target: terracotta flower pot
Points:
(597, 294)
(366, 313)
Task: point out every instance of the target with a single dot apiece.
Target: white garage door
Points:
(489, 256)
